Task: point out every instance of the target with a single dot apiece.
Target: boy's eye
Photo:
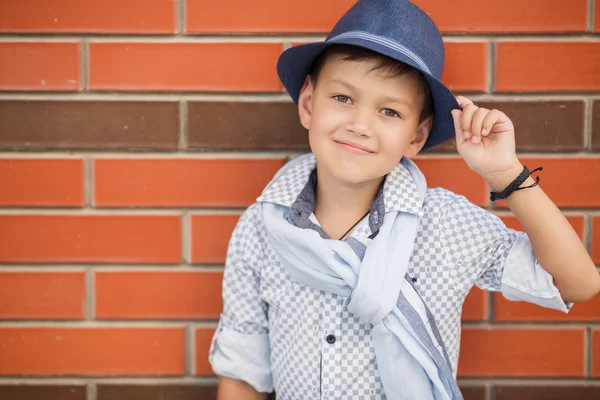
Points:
(341, 98)
(388, 112)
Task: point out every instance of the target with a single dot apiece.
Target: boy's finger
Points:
(477, 124)
(463, 101)
(467, 119)
(457, 129)
(490, 119)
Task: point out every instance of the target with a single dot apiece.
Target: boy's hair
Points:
(393, 68)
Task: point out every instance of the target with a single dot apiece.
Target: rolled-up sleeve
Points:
(240, 345)
(497, 258)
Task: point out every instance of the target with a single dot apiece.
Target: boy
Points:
(345, 280)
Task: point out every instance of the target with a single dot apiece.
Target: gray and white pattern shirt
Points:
(277, 334)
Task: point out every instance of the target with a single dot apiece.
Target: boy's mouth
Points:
(352, 147)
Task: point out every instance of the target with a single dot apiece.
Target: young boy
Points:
(345, 280)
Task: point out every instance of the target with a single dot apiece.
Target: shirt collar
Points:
(399, 192)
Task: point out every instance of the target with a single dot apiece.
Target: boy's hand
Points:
(485, 139)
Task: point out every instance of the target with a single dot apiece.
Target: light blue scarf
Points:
(410, 354)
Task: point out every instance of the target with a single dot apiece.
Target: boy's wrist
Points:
(498, 181)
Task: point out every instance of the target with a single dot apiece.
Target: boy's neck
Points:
(338, 206)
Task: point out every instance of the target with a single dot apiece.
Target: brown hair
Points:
(392, 68)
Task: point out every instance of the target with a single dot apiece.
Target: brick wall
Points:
(134, 132)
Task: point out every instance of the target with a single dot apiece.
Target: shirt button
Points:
(330, 339)
(376, 217)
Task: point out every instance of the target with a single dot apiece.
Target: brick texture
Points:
(43, 392)
(465, 69)
(156, 392)
(42, 295)
(134, 133)
(506, 352)
(234, 67)
(245, 125)
(42, 182)
(205, 16)
(202, 339)
(596, 125)
(455, 175)
(596, 239)
(596, 354)
(210, 237)
(507, 16)
(177, 182)
(39, 66)
(475, 305)
(570, 182)
(93, 238)
(40, 125)
(553, 392)
(92, 351)
(534, 67)
(198, 295)
(69, 16)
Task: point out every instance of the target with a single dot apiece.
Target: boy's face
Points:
(361, 122)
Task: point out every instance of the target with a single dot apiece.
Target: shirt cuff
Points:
(524, 279)
(245, 357)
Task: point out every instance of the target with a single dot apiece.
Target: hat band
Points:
(390, 44)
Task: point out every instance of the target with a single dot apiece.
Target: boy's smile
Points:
(361, 121)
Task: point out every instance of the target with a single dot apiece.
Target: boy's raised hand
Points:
(485, 139)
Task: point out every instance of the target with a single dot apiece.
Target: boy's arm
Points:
(486, 141)
(556, 246)
(233, 389)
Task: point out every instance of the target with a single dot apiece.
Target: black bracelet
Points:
(514, 185)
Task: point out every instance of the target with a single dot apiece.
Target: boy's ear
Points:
(305, 102)
(420, 138)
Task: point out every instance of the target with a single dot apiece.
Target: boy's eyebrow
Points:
(389, 99)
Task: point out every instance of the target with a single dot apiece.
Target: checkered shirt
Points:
(273, 331)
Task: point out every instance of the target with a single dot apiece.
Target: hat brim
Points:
(296, 63)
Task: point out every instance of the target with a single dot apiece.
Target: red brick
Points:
(106, 16)
(92, 351)
(238, 67)
(596, 16)
(576, 221)
(535, 67)
(475, 305)
(41, 182)
(596, 239)
(39, 66)
(505, 310)
(202, 341)
(596, 354)
(569, 182)
(522, 353)
(42, 295)
(181, 182)
(206, 16)
(210, 237)
(90, 238)
(166, 295)
(508, 16)
(465, 69)
(455, 175)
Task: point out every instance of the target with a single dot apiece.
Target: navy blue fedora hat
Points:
(395, 28)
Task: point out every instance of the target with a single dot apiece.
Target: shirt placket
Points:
(331, 345)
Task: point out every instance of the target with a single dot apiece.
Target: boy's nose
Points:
(360, 123)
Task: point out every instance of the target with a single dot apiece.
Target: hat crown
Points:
(399, 21)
